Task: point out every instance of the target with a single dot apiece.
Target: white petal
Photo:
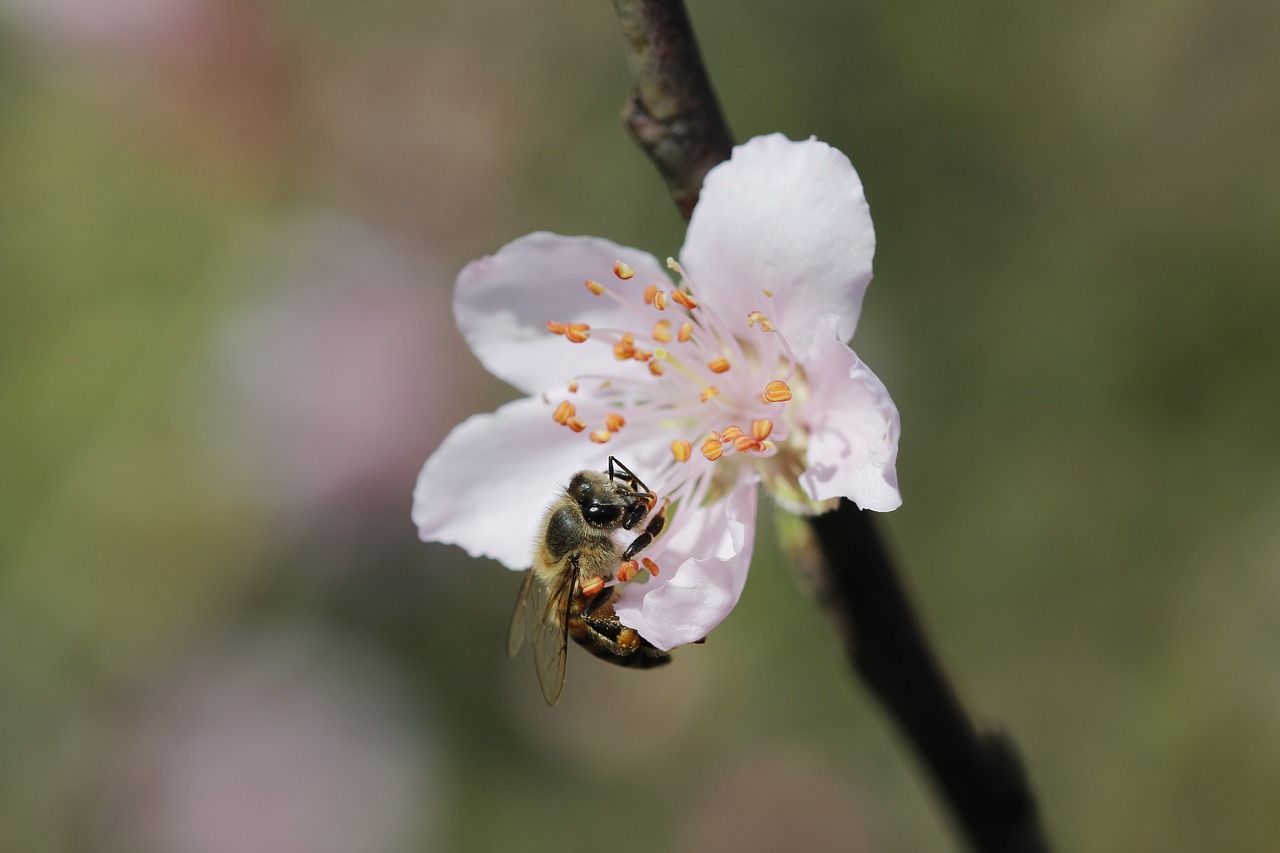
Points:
(708, 558)
(488, 484)
(503, 303)
(788, 217)
(853, 443)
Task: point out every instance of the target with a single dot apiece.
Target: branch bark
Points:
(675, 117)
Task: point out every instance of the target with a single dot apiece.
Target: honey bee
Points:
(564, 593)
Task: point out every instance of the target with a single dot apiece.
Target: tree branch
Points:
(675, 117)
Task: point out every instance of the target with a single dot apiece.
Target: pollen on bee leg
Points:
(600, 436)
(776, 391)
(563, 412)
(629, 639)
(614, 422)
(592, 586)
(577, 332)
(595, 287)
(628, 570)
(760, 429)
(662, 331)
(650, 565)
(681, 450)
(622, 271)
(711, 449)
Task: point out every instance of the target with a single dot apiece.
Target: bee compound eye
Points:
(602, 514)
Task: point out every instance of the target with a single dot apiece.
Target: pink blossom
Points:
(731, 372)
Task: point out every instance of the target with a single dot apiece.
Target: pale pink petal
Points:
(704, 568)
(853, 443)
(788, 217)
(503, 303)
(488, 484)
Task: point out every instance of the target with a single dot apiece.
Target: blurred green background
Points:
(228, 231)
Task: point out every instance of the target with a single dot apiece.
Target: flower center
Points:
(720, 388)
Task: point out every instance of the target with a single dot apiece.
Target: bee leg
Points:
(651, 531)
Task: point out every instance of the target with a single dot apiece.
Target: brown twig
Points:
(675, 117)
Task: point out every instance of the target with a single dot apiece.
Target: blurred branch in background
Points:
(674, 115)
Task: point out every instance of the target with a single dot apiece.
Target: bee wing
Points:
(519, 619)
(548, 623)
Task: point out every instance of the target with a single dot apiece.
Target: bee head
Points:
(598, 499)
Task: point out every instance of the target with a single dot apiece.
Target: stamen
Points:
(628, 570)
(622, 271)
(660, 300)
(656, 367)
(685, 333)
(718, 365)
(674, 266)
(684, 299)
(575, 425)
(776, 391)
(573, 387)
(650, 565)
(681, 450)
(709, 392)
(731, 433)
(600, 436)
(642, 355)
(577, 332)
(556, 328)
(768, 293)
(625, 348)
(614, 422)
(745, 443)
(662, 331)
(649, 293)
(761, 428)
(711, 449)
(592, 586)
(758, 317)
(595, 287)
(563, 412)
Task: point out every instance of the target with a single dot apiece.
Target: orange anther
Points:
(577, 332)
(685, 333)
(761, 428)
(650, 565)
(556, 328)
(709, 392)
(660, 300)
(625, 348)
(563, 412)
(718, 365)
(711, 449)
(642, 355)
(614, 422)
(768, 293)
(656, 367)
(745, 443)
(595, 287)
(622, 271)
(628, 570)
(684, 299)
(592, 586)
(758, 317)
(681, 450)
(662, 331)
(575, 425)
(600, 436)
(650, 293)
(776, 391)
(731, 433)
(573, 387)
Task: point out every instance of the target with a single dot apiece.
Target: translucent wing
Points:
(519, 630)
(548, 622)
